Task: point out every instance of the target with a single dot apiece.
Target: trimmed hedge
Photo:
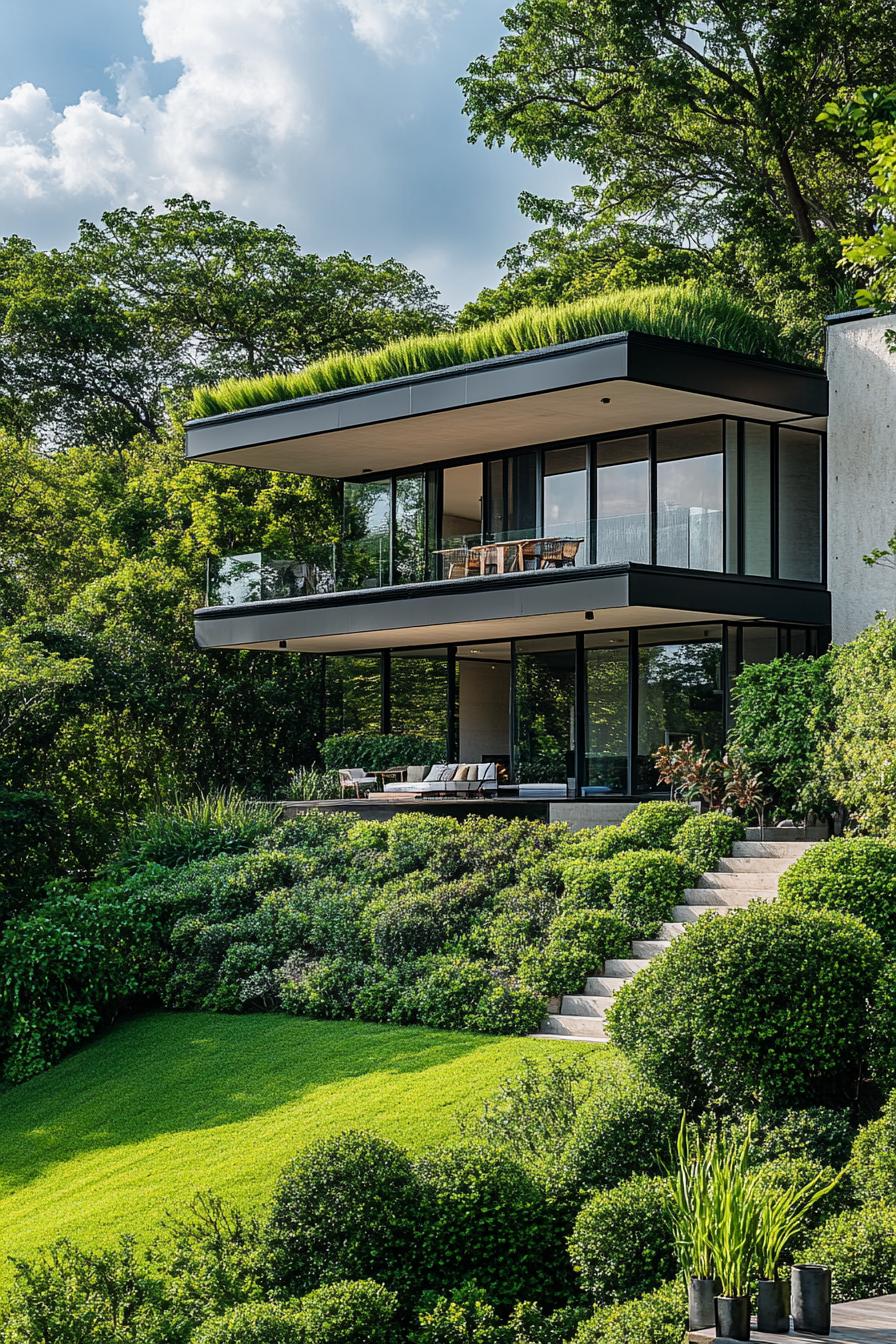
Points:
(378, 751)
(623, 1129)
(883, 1027)
(622, 1242)
(860, 1248)
(660, 1317)
(644, 886)
(706, 838)
(253, 1323)
(654, 825)
(362, 1312)
(855, 874)
(765, 1005)
(874, 1157)
(578, 945)
(586, 884)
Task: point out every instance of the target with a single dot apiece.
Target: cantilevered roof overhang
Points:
(508, 607)
(600, 385)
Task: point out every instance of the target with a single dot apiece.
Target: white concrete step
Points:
(582, 1028)
(727, 895)
(605, 985)
(689, 914)
(672, 929)
(761, 864)
(753, 881)
(770, 849)
(645, 949)
(585, 1005)
(626, 966)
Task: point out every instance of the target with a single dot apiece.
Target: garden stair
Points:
(750, 874)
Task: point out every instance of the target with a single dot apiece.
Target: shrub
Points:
(706, 838)
(654, 825)
(253, 1323)
(378, 751)
(781, 1173)
(874, 1157)
(765, 1005)
(489, 1221)
(521, 923)
(348, 1207)
(782, 714)
(30, 844)
(578, 945)
(645, 884)
(860, 1248)
(410, 926)
(197, 828)
(447, 995)
(882, 1055)
(822, 1133)
(597, 843)
(323, 989)
(211, 1258)
(508, 1010)
(586, 884)
(315, 833)
(465, 1317)
(622, 1243)
(857, 875)
(659, 1317)
(362, 1312)
(860, 751)
(624, 1128)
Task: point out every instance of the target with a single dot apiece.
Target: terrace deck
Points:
(871, 1321)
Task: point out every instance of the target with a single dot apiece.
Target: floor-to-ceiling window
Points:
(512, 497)
(799, 505)
(757, 496)
(353, 694)
(565, 497)
(680, 693)
(689, 496)
(544, 710)
(622, 501)
(366, 534)
(419, 694)
(605, 754)
(409, 543)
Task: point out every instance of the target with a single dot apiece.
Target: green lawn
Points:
(168, 1104)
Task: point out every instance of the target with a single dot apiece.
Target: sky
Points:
(340, 119)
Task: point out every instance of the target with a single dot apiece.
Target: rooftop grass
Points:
(168, 1104)
(706, 316)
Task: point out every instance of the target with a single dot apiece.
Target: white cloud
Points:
(393, 27)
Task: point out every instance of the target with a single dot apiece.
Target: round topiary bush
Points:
(706, 838)
(659, 1317)
(860, 1248)
(644, 886)
(410, 926)
(447, 995)
(348, 1207)
(362, 1312)
(882, 1054)
(578, 945)
(597, 843)
(654, 825)
(873, 1165)
(624, 1128)
(487, 1220)
(586, 884)
(622, 1242)
(855, 874)
(763, 1005)
(253, 1323)
(823, 1133)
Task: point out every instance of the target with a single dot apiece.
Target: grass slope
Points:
(168, 1104)
(707, 315)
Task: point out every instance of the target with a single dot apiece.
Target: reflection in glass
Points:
(732, 457)
(566, 496)
(366, 524)
(606, 714)
(622, 525)
(409, 549)
(354, 695)
(512, 492)
(689, 484)
(419, 705)
(680, 693)
(544, 708)
(760, 643)
(757, 499)
(799, 505)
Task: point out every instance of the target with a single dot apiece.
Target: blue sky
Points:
(339, 118)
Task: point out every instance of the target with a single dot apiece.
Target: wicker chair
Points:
(559, 552)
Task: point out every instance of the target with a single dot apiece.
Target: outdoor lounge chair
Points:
(443, 781)
(353, 779)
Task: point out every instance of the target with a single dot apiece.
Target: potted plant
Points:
(733, 1233)
(690, 1204)
(811, 1294)
(780, 1215)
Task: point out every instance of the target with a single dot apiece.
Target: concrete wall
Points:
(483, 709)
(861, 471)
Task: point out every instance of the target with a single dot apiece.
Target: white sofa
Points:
(479, 778)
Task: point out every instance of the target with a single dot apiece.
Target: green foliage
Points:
(622, 1129)
(792, 1195)
(195, 828)
(764, 1005)
(855, 874)
(308, 784)
(883, 1027)
(709, 315)
(859, 1246)
(349, 1207)
(466, 1317)
(654, 825)
(783, 713)
(362, 1312)
(253, 1323)
(873, 1167)
(488, 1220)
(598, 843)
(378, 751)
(659, 1317)
(211, 1257)
(644, 886)
(860, 754)
(578, 945)
(706, 838)
(30, 842)
(622, 1241)
(586, 884)
(823, 1134)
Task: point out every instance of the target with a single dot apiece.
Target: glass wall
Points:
(544, 710)
(689, 496)
(366, 534)
(757, 499)
(680, 693)
(799, 505)
(419, 694)
(622, 501)
(565, 499)
(512, 497)
(354, 694)
(606, 713)
(409, 544)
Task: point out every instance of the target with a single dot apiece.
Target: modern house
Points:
(559, 559)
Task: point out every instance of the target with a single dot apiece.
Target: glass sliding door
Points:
(799, 505)
(606, 713)
(689, 495)
(354, 695)
(544, 710)
(680, 693)
(622, 493)
(366, 534)
(512, 497)
(419, 694)
(565, 497)
(409, 542)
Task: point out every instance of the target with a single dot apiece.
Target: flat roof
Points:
(600, 385)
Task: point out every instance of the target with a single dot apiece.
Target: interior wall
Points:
(483, 709)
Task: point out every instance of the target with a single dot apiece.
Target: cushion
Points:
(415, 773)
(437, 773)
(488, 770)
(462, 772)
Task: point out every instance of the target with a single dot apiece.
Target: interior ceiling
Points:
(470, 431)
(516, 627)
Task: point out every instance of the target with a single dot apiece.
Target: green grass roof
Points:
(706, 316)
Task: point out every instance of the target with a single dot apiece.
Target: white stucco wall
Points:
(861, 471)
(483, 709)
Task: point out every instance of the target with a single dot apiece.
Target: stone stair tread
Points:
(689, 914)
(624, 965)
(605, 985)
(761, 880)
(647, 948)
(748, 849)
(582, 1028)
(585, 1005)
(758, 864)
(727, 895)
(670, 929)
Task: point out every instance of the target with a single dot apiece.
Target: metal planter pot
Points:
(811, 1299)
(732, 1315)
(701, 1295)
(773, 1306)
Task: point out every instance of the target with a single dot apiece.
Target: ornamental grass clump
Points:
(706, 315)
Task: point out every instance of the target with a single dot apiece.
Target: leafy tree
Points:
(698, 121)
